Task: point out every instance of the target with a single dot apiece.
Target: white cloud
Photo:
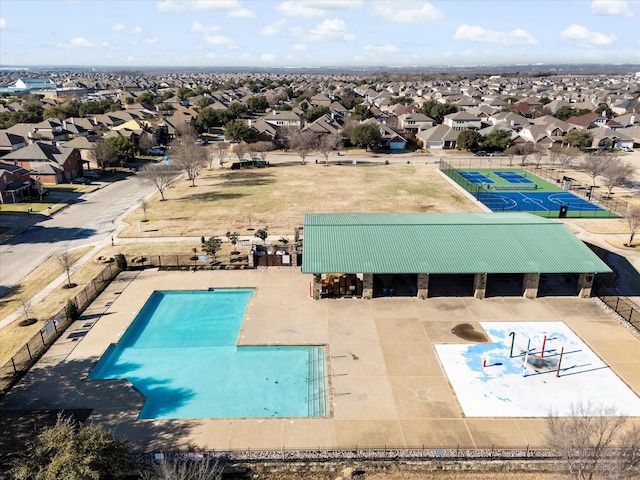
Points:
(150, 41)
(268, 57)
(300, 47)
(77, 42)
(379, 49)
(315, 8)
(218, 40)
(177, 6)
(611, 7)
(243, 13)
(3, 24)
(587, 38)
(118, 28)
(136, 30)
(331, 30)
(131, 59)
(197, 27)
(407, 11)
(478, 34)
(274, 28)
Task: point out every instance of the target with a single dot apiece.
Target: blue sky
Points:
(293, 33)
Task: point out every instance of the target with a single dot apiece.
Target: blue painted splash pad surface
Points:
(180, 352)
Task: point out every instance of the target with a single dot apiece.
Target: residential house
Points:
(440, 136)
(10, 142)
(51, 163)
(462, 121)
(15, 183)
(414, 123)
(391, 139)
(606, 137)
(283, 118)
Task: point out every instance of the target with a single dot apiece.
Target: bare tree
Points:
(566, 156)
(218, 150)
(252, 150)
(582, 438)
(144, 205)
(189, 157)
(326, 144)
(538, 154)
(632, 215)
(525, 149)
(240, 149)
(25, 308)
(160, 175)
(64, 259)
(628, 461)
(263, 149)
(595, 164)
(511, 152)
(616, 172)
(103, 153)
(301, 142)
(554, 153)
(146, 142)
(196, 469)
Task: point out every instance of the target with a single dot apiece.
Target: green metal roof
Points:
(443, 243)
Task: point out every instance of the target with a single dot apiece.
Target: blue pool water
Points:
(180, 352)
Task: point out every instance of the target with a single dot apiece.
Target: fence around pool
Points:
(592, 204)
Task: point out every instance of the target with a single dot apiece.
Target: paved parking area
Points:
(388, 387)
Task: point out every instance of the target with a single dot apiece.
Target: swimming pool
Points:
(180, 352)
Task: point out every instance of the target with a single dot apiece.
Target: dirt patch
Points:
(467, 332)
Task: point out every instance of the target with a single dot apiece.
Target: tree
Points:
(204, 469)
(218, 150)
(258, 103)
(65, 261)
(632, 215)
(146, 142)
(511, 152)
(496, 140)
(25, 308)
(211, 117)
(72, 450)
(212, 246)
(262, 234)
(525, 149)
(233, 238)
(566, 156)
(366, 135)
(160, 175)
(469, 139)
(301, 142)
(581, 139)
(238, 131)
(104, 153)
(236, 110)
(538, 154)
(315, 113)
(595, 164)
(437, 110)
(125, 148)
(263, 149)
(326, 145)
(616, 172)
(363, 111)
(565, 112)
(240, 149)
(189, 157)
(582, 437)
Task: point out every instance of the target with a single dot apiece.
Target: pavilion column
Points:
(367, 286)
(423, 286)
(530, 285)
(316, 287)
(585, 283)
(480, 285)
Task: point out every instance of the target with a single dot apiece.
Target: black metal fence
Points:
(24, 359)
(625, 308)
(186, 262)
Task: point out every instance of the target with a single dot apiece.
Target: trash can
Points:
(563, 211)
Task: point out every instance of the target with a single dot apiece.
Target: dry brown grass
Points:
(280, 195)
(13, 337)
(400, 475)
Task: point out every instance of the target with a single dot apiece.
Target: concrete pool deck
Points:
(388, 387)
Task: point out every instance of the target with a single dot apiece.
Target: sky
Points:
(317, 33)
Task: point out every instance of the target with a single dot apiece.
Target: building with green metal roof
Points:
(416, 248)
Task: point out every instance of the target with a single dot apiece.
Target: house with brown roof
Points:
(10, 142)
(440, 136)
(15, 183)
(51, 163)
(462, 121)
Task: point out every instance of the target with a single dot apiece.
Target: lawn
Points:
(280, 195)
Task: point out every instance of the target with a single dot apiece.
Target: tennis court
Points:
(535, 202)
(476, 177)
(513, 177)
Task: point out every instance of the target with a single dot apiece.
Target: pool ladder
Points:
(317, 382)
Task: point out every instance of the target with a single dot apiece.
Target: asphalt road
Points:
(90, 221)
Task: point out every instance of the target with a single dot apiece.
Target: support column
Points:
(480, 285)
(530, 285)
(294, 255)
(585, 283)
(367, 286)
(316, 287)
(423, 286)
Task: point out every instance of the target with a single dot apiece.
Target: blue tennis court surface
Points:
(513, 177)
(535, 202)
(475, 177)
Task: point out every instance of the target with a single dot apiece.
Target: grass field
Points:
(279, 196)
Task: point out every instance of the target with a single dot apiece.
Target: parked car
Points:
(627, 149)
(80, 181)
(91, 175)
(156, 151)
(480, 153)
